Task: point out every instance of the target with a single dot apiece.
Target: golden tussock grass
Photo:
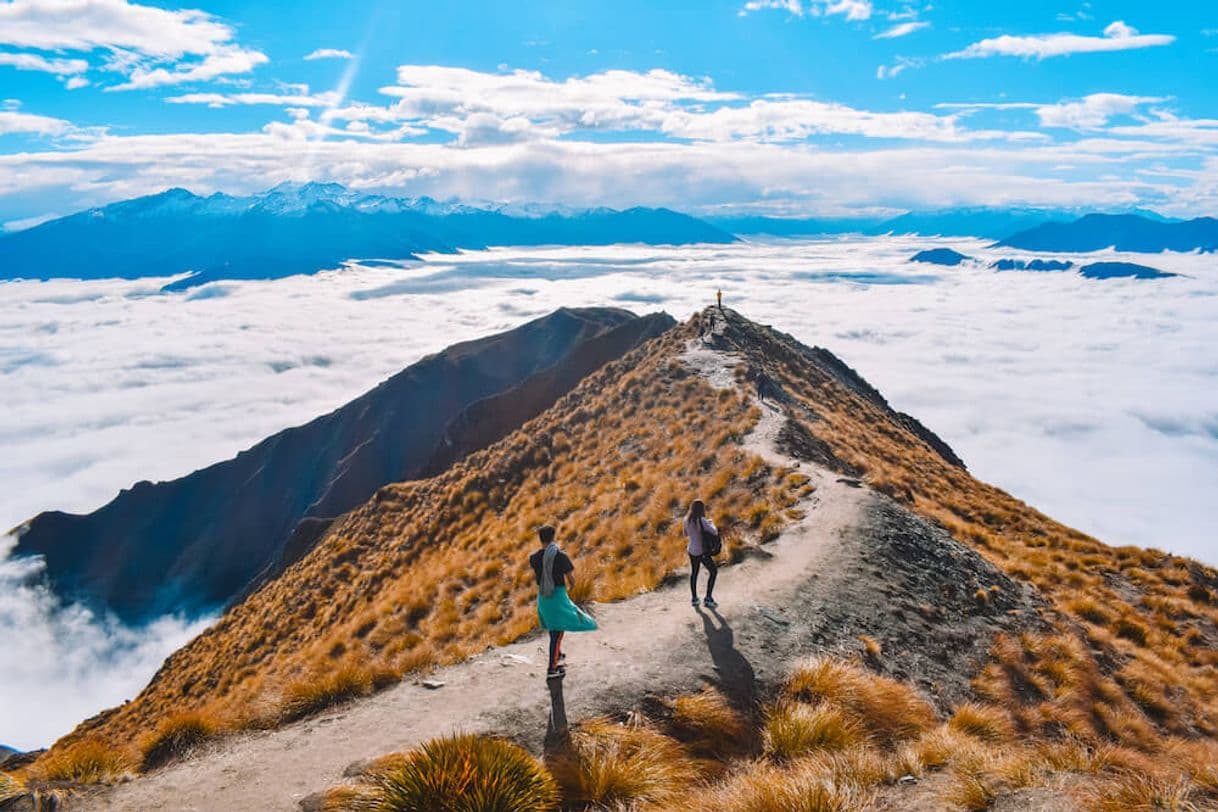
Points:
(606, 764)
(801, 787)
(888, 710)
(459, 773)
(794, 729)
(176, 737)
(10, 786)
(88, 761)
(983, 722)
(708, 725)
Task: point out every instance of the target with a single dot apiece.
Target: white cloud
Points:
(795, 7)
(328, 53)
(222, 61)
(59, 67)
(495, 108)
(850, 9)
(899, 66)
(297, 99)
(1117, 37)
(902, 29)
(1091, 112)
(65, 663)
(76, 82)
(151, 46)
(14, 121)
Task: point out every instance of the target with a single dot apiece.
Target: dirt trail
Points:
(653, 644)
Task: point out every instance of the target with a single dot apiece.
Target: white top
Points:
(693, 531)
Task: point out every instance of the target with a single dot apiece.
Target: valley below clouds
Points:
(1092, 400)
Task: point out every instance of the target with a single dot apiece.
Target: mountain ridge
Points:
(294, 229)
(1122, 232)
(188, 545)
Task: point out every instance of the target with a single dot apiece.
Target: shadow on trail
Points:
(736, 675)
(556, 725)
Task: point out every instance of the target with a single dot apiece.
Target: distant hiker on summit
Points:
(704, 545)
(552, 568)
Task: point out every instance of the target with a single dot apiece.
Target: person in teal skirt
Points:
(553, 570)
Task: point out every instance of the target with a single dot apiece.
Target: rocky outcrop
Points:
(197, 542)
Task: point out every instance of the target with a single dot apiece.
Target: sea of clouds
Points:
(1095, 401)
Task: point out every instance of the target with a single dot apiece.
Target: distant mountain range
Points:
(1124, 232)
(195, 543)
(972, 221)
(303, 228)
(294, 229)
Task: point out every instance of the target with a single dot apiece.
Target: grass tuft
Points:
(1129, 791)
(794, 729)
(176, 737)
(459, 773)
(987, 723)
(708, 724)
(10, 786)
(606, 764)
(88, 761)
(304, 697)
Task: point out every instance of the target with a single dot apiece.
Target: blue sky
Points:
(784, 106)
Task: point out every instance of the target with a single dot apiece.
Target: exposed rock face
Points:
(195, 543)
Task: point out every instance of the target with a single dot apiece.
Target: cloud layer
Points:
(1107, 420)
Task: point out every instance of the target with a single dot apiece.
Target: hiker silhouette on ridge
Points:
(552, 569)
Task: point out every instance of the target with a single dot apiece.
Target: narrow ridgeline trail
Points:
(854, 563)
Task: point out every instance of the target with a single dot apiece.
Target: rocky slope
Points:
(194, 543)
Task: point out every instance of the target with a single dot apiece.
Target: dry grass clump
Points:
(307, 696)
(1128, 791)
(87, 761)
(10, 786)
(459, 773)
(803, 787)
(794, 729)
(708, 725)
(984, 722)
(607, 764)
(888, 710)
(177, 736)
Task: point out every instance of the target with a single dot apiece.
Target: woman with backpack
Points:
(703, 546)
(558, 614)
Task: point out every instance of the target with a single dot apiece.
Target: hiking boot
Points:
(695, 602)
(557, 673)
(710, 603)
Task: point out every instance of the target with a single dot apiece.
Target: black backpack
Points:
(712, 545)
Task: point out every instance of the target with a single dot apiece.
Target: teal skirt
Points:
(559, 614)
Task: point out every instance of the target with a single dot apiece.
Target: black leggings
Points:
(695, 563)
(555, 642)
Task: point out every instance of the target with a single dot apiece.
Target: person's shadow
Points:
(556, 728)
(735, 671)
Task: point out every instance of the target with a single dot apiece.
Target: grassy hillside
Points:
(431, 571)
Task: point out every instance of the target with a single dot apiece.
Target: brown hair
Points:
(697, 510)
(546, 533)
